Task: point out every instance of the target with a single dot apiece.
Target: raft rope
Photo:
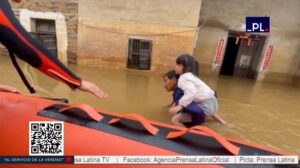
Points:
(20, 72)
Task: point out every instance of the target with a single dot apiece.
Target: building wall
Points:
(220, 16)
(68, 8)
(105, 26)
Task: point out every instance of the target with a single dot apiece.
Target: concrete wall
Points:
(68, 8)
(224, 15)
(105, 26)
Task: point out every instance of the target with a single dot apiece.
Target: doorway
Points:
(230, 57)
(242, 55)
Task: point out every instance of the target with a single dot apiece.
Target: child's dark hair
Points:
(189, 64)
(171, 74)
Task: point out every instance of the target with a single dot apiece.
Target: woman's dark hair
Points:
(189, 64)
(171, 74)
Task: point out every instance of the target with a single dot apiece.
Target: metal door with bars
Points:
(139, 54)
(247, 59)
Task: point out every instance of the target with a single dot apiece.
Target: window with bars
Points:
(44, 31)
(139, 54)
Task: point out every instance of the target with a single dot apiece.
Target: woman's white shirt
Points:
(194, 89)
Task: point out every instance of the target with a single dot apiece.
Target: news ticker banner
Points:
(281, 160)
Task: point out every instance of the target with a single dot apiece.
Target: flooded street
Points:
(263, 113)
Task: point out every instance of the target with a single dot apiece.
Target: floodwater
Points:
(263, 113)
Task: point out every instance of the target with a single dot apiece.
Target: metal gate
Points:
(242, 55)
(248, 58)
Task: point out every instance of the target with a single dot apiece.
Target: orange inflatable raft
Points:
(97, 132)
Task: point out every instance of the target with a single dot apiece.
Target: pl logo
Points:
(258, 24)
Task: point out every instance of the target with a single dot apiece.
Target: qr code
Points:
(46, 138)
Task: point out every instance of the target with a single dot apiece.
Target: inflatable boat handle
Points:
(87, 109)
(227, 145)
(150, 128)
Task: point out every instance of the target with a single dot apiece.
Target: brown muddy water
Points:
(263, 113)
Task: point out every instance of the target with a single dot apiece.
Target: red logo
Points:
(68, 159)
